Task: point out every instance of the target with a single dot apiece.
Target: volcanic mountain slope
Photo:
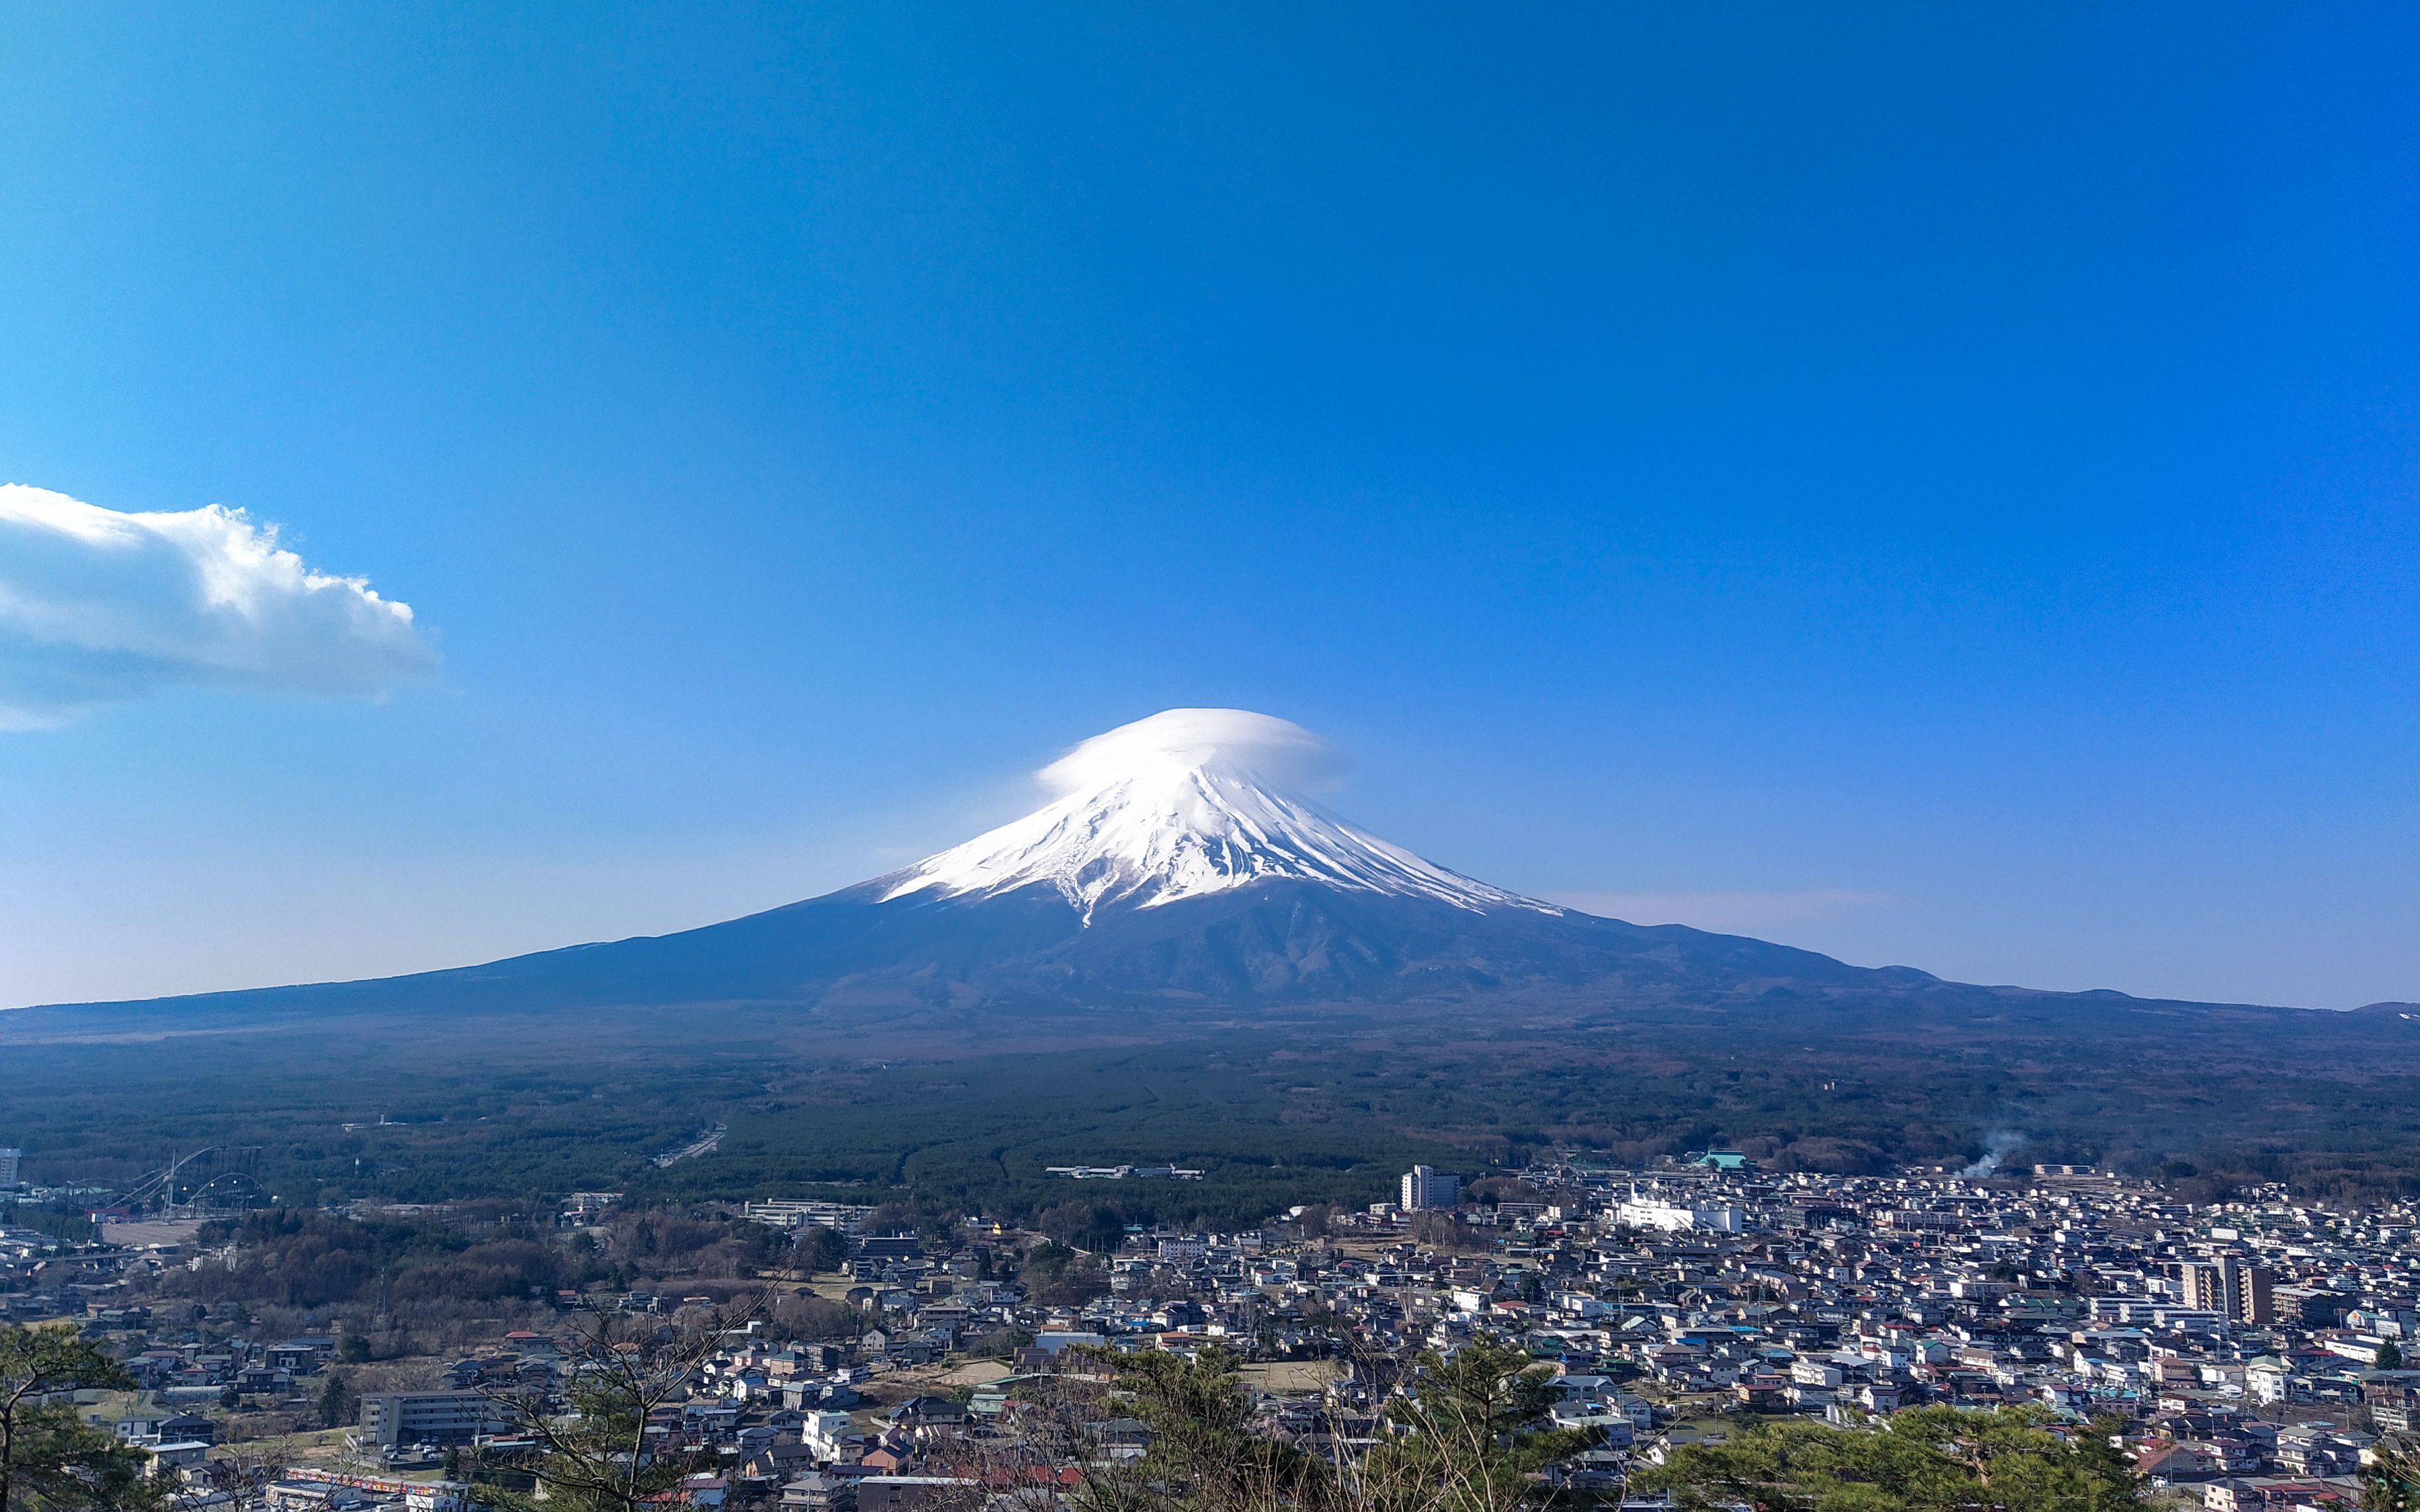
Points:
(1178, 807)
(1179, 956)
(1175, 866)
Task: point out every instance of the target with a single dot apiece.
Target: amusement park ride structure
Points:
(227, 1182)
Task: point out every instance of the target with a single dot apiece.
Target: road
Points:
(713, 1137)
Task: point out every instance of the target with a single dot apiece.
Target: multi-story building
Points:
(1426, 1188)
(2255, 1301)
(2208, 1284)
(1650, 1212)
(396, 1418)
(2240, 1293)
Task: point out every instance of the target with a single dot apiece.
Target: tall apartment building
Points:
(2202, 1284)
(1426, 1188)
(2254, 1302)
(2239, 1292)
(10, 1161)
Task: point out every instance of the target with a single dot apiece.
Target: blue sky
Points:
(1933, 484)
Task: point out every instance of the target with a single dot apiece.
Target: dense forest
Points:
(1314, 1107)
(301, 1257)
(406, 1284)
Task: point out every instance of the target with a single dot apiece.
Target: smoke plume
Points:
(1996, 1148)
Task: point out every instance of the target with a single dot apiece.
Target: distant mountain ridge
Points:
(1179, 955)
(1171, 869)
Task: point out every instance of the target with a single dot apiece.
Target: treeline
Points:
(297, 1257)
(305, 1259)
(1319, 1110)
(63, 1222)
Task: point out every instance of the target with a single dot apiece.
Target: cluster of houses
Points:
(187, 1372)
(2250, 1355)
(40, 1278)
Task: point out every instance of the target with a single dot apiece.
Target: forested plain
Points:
(1307, 1106)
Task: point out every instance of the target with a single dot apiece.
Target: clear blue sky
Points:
(1936, 483)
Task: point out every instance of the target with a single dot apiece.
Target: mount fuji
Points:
(1183, 950)
(1177, 807)
(1178, 861)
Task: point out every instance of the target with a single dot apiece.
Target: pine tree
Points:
(337, 1403)
(1470, 1434)
(51, 1461)
(1930, 1460)
(2390, 1482)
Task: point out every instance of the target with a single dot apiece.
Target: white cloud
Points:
(1728, 913)
(1277, 749)
(98, 607)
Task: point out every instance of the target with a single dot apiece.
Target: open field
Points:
(1288, 1376)
(163, 1232)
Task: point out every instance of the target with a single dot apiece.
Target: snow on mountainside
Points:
(1175, 865)
(1184, 804)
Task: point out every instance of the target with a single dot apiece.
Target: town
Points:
(2247, 1355)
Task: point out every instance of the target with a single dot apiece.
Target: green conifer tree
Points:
(52, 1460)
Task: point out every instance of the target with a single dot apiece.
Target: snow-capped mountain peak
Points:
(1185, 804)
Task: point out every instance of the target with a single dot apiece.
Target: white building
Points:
(782, 1212)
(2270, 1379)
(1426, 1188)
(825, 1433)
(1672, 1217)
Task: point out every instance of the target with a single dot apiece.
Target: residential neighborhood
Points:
(2247, 1355)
